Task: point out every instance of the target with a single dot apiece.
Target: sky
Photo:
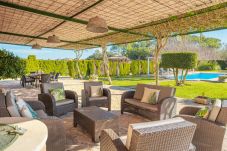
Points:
(46, 53)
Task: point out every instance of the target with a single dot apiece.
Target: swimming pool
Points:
(203, 76)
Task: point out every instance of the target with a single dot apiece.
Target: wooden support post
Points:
(161, 42)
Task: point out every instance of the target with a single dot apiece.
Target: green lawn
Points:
(189, 90)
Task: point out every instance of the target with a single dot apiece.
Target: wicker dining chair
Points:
(45, 78)
(167, 135)
(209, 135)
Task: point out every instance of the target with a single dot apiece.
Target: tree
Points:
(184, 43)
(206, 41)
(177, 61)
(11, 66)
(134, 51)
(97, 55)
(106, 63)
(32, 64)
(79, 54)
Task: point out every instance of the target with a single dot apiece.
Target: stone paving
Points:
(77, 138)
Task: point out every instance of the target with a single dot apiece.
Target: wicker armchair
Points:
(209, 135)
(87, 100)
(166, 135)
(165, 109)
(57, 108)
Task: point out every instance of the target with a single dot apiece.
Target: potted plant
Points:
(202, 99)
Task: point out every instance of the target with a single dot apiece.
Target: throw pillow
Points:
(59, 94)
(215, 110)
(203, 112)
(150, 96)
(96, 91)
(25, 109)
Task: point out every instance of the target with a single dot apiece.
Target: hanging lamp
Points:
(36, 46)
(97, 25)
(53, 39)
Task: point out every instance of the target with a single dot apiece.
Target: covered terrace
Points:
(87, 24)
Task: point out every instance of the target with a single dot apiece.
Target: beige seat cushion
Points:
(215, 110)
(148, 125)
(96, 91)
(102, 98)
(150, 96)
(135, 102)
(64, 102)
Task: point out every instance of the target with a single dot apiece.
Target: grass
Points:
(190, 90)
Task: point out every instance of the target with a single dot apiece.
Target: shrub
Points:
(144, 66)
(32, 64)
(72, 71)
(209, 66)
(176, 61)
(11, 65)
(135, 67)
(223, 64)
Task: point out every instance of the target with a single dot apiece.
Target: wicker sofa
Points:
(103, 101)
(56, 133)
(57, 108)
(209, 135)
(165, 109)
(167, 135)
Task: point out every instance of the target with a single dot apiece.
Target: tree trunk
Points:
(156, 64)
(106, 64)
(78, 70)
(161, 42)
(185, 75)
(157, 70)
(176, 78)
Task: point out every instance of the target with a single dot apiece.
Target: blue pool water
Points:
(203, 76)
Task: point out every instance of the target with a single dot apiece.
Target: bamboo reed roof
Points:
(27, 22)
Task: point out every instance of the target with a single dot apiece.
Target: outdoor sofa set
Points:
(167, 131)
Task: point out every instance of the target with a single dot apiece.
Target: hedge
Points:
(87, 67)
(182, 60)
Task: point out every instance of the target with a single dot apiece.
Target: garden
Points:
(130, 74)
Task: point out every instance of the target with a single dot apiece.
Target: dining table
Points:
(37, 77)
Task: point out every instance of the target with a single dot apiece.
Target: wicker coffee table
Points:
(94, 120)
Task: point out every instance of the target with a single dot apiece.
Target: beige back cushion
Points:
(164, 91)
(11, 104)
(215, 110)
(23, 108)
(96, 91)
(222, 118)
(150, 96)
(147, 125)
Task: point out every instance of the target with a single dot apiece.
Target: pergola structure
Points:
(26, 22)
